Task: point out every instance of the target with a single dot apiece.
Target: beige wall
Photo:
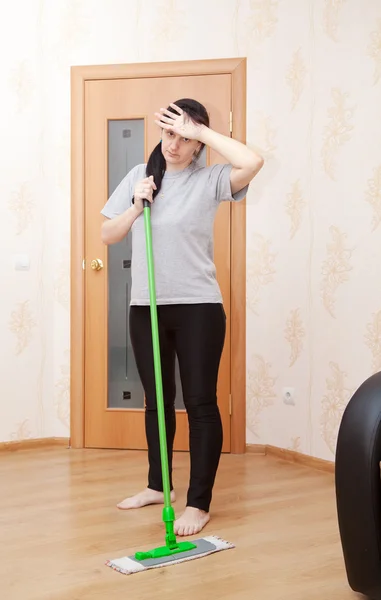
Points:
(314, 213)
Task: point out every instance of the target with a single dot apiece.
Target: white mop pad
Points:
(207, 545)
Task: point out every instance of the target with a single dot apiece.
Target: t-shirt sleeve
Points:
(219, 179)
(121, 198)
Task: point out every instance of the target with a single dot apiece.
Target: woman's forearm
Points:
(114, 230)
(236, 153)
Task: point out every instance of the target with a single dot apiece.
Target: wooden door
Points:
(120, 132)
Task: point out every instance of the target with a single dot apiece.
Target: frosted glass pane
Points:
(125, 150)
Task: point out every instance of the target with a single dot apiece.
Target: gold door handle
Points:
(96, 264)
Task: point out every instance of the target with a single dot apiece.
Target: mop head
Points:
(204, 546)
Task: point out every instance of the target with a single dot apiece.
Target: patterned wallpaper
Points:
(314, 212)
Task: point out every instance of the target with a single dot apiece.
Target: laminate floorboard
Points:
(59, 524)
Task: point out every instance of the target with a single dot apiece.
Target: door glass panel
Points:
(125, 151)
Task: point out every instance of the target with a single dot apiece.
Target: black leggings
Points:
(196, 334)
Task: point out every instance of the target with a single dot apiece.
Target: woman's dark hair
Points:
(156, 164)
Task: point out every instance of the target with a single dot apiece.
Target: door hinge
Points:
(230, 404)
(231, 122)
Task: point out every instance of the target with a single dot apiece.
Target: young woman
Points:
(185, 198)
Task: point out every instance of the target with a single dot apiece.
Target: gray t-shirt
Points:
(182, 219)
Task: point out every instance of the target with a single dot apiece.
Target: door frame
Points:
(236, 67)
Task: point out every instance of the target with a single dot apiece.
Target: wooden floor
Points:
(59, 525)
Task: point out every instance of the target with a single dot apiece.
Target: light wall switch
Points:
(22, 262)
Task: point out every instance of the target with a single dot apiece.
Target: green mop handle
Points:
(168, 513)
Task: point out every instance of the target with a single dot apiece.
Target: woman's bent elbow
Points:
(105, 234)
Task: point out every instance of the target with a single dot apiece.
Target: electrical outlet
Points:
(289, 396)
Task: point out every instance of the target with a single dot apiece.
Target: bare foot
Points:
(191, 521)
(144, 498)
